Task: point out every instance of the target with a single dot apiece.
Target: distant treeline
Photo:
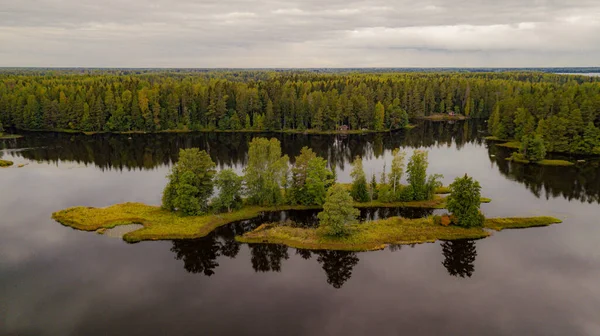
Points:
(120, 100)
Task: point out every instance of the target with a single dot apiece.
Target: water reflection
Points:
(459, 257)
(201, 256)
(580, 182)
(147, 151)
(268, 257)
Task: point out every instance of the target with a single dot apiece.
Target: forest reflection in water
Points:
(149, 151)
(201, 256)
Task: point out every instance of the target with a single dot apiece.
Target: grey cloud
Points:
(296, 33)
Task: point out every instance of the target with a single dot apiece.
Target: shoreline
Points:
(161, 224)
(183, 131)
(377, 235)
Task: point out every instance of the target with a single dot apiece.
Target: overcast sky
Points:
(299, 33)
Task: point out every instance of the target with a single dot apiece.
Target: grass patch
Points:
(494, 138)
(5, 163)
(511, 144)
(555, 163)
(378, 234)
(9, 136)
(500, 224)
(160, 224)
(562, 163)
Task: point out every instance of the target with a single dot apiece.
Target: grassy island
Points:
(544, 162)
(5, 163)
(160, 224)
(378, 234)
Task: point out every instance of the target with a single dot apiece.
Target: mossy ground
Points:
(376, 235)
(161, 224)
(5, 163)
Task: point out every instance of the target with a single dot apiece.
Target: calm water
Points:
(58, 281)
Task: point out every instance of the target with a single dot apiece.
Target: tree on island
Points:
(310, 179)
(190, 183)
(359, 190)
(337, 212)
(266, 172)
(464, 202)
(533, 148)
(230, 186)
(422, 187)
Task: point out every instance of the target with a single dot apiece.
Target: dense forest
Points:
(563, 110)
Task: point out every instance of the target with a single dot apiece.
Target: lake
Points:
(58, 281)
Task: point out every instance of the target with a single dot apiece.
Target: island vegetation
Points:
(7, 136)
(271, 183)
(338, 231)
(564, 111)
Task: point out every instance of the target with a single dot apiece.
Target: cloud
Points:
(310, 33)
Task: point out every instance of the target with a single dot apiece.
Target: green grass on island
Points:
(5, 163)
(378, 234)
(544, 162)
(511, 144)
(9, 136)
(161, 224)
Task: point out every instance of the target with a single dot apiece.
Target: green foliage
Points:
(533, 149)
(190, 183)
(359, 190)
(379, 116)
(373, 193)
(406, 194)
(564, 111)
(464, 202)
(337, 213)
(432, 184)
(230, 186)
(397, 169)
(310, 179)
(417, 174)
(265, 172)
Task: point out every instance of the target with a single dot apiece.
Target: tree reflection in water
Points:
(459, 257)
(200, 255)
(268, 257)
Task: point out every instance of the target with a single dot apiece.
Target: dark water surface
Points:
(58, 281)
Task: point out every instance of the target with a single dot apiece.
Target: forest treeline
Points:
(563, 110)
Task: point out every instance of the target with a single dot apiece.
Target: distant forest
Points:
(563, 110)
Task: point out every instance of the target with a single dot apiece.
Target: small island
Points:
(530, 150)
(271, 184)
(378, 234)
(4, 136)
(5, 163)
